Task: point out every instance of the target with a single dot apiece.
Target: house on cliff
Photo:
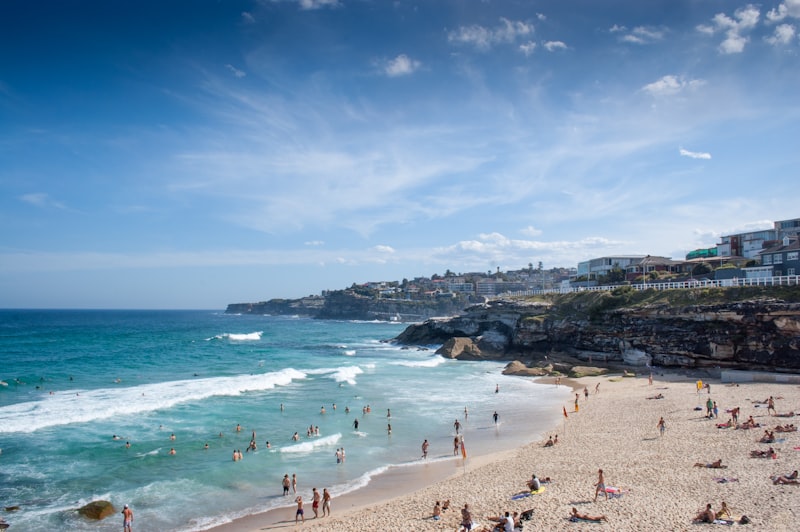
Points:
(783, 258)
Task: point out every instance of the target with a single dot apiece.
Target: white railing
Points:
(785, 280)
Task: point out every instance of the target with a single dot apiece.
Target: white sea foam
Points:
(238, 337)
(431, 362)
(83, 406)
(350, 352)
(311, 445)
(341, 374)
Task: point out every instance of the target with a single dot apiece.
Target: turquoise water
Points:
(75, 379)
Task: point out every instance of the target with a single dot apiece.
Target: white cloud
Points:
(694, 154)
(484, 38)
(236, 72)
(670, 85)
(789, 8)
(402, 65)
(552, 46)
(383, 249)
(248, 18)
(314, 243)
(527, 48)
(744, 19)
(640, 34)
(784, 34)
(42, 200)
(616, 28)
(541, 16)
(531, 231)
(317, 4)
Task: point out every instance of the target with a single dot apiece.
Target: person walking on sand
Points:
(662, 426)
(315, 502)
(299, 512)
(425, 446)
(127, 519)
(326, 503)
(771, 405)
(600, 485)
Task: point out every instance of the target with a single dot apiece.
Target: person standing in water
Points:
(127, 519)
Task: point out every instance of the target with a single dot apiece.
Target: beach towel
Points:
(615, 492)
(527, 494)
(723, 521)
(724, 480)
(578, 520)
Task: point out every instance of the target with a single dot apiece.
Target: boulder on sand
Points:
(97, 510)
(586, 371)
(520, 369)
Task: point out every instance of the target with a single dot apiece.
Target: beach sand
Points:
(616, 430)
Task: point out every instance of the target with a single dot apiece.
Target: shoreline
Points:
(614, 430)
(394, 483)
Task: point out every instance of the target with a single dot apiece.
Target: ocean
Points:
(79, 385)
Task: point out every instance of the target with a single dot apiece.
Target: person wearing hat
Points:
(127, 519)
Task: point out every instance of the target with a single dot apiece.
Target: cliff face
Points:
(752, 334)
(343, 305)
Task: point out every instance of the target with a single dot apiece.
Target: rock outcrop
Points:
(97, 510)
(735, 330)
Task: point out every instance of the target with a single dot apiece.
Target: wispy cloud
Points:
(640, 34)
(248, 18)
(694, 154)
(317, 4)
(527, 48)
(552, 46)
(236, 72)
(41, 200)
(531, 231)
(402, 65)
(744, 19)
(670, 85)
(484, 38)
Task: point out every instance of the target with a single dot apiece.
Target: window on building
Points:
(777, 259)
(790, 271)
(766, 259)
(792, 255)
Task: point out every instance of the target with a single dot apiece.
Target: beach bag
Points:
(526, 515)
(744, 520)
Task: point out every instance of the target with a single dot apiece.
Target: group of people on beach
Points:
(316, 500)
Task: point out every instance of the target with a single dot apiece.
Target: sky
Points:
(190, 154)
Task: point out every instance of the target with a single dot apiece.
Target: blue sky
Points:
(188, 154)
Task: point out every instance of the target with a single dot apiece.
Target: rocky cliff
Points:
(705, 328)
(346, 305)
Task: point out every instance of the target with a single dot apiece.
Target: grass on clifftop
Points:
(593, 304)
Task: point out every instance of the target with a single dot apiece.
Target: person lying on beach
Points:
(769, 453)
(586, 517)
(728, 424)
(712, 465)
(768, 437)
(659, 396)
(705, 516)
(791, 478)
(787, 414)
(446, 505)
(749, 424)
(786, 428)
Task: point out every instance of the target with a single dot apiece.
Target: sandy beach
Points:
(615, 430)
